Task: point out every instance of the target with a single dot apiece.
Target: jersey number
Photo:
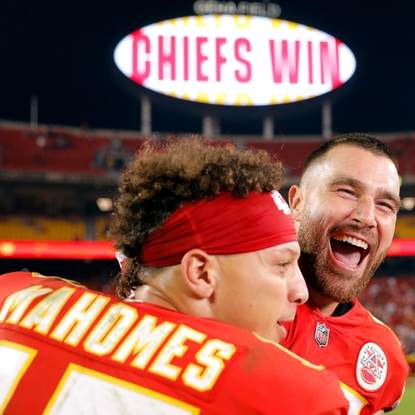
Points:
(357, 402)
(85, 391)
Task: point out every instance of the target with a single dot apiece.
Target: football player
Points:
(345, 212)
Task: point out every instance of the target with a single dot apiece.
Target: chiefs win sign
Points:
(235, 60)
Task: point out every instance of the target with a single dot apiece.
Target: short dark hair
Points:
(161, 178)
(366, 141)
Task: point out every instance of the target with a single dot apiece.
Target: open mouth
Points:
(282, 329)
(348, 252)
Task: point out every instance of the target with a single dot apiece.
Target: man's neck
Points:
(151, 295)
(325, 305)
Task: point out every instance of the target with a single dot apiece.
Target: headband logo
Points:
(280, 202)
(122, 260)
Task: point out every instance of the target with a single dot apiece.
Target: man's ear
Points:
(296, 199)
(199, 272)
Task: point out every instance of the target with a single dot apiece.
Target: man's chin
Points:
(339, 286)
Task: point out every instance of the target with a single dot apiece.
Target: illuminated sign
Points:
(235, 60)
(243, 7)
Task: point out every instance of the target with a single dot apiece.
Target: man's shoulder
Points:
(268, 367)
(13, 275)
(19, 279)
(376, 329)
(273, 361)
(16, 281)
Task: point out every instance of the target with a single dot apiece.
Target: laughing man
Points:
(345, 213)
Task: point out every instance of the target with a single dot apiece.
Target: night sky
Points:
(62, 51)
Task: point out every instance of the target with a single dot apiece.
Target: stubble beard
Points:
(318, 270)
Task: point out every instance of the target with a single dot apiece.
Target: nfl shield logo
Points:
(322, 335)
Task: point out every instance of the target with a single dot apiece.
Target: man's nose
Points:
(298, 291)
(364, 213)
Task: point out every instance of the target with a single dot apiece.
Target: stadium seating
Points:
(76, 150)
(101, 226)
(391, 300)
(24, 150)
(41, 229)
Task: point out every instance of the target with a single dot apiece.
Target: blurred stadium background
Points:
(57, 181)
(56, 190)
(57, 184)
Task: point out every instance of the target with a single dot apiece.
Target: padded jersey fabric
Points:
(363, 352)
(68, 350)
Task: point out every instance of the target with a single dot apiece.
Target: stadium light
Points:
(104, 204)
(105, 250)
(408, 203)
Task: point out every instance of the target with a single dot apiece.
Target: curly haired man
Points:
(209, 256)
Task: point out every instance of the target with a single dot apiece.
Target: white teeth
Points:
(352, 266)
(351, 240)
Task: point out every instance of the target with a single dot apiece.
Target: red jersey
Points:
(68, 350)
(363, 352)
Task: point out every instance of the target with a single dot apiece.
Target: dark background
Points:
(62, 52)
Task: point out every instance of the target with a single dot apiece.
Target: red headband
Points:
(224, 225)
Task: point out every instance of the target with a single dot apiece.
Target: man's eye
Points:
(350, 192)
(387, 205)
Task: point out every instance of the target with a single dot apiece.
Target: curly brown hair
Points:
(162, 177)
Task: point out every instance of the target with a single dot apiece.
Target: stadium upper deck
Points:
(99, 153)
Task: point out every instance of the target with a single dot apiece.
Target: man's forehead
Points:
(350, 153)
(381, 188)
(352, 163)
(350, 158)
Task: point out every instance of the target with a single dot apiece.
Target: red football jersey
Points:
(363, 352)
(68, 350)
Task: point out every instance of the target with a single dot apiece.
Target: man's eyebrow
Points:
(386, 194)
(395, 199)
(347, 180)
